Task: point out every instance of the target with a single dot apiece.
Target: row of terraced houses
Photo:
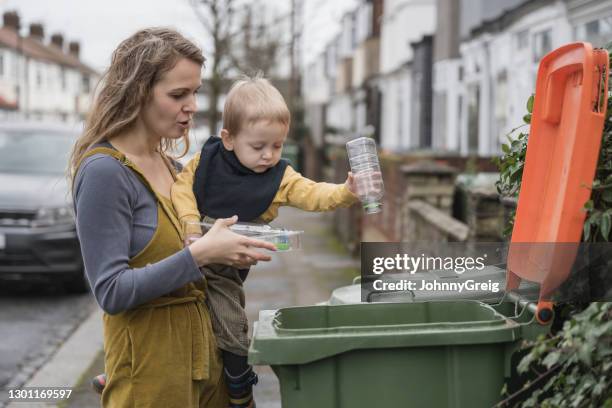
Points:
(448, 75)
(439, 84)
(41, 78)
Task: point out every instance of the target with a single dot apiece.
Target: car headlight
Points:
(48, 216)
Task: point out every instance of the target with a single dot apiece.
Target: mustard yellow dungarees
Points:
(162, 353)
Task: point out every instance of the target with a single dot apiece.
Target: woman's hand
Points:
(221, 245)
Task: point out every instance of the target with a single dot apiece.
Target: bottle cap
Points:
(372, 208)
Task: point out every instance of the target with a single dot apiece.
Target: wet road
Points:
(34, 321)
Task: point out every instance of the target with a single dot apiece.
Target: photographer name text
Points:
(468, 285)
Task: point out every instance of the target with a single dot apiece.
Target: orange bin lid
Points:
(562, 152)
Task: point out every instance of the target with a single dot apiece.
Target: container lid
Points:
(254, 230)
(562, 153)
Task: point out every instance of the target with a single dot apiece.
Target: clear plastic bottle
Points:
(363, 160)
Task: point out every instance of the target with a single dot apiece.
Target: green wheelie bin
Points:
(427, 354)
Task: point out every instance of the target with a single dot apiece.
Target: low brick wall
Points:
(401, 187)
(429, 224)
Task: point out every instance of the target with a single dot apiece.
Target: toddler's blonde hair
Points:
(253, 99)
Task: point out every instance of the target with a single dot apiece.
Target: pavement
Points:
(302, 277)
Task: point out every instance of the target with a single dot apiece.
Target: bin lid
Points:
(560, 163)
(303, 334)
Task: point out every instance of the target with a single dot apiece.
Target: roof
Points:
(37, 50)
(508, 17)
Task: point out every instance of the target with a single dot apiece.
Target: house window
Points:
(353, 33)
(39, 77)
(522, 39)
(542, 44)
(400, 118)
(439, 121)
(63, 78)
(368, 20)
(473, 102)
(598, 32)
(501, 107)
(592, 28)
(85, 84)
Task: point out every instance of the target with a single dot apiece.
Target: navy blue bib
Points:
(223, 187)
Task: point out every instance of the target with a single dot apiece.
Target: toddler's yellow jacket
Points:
(294, 190)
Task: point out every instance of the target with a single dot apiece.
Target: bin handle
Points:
(520, 301)
(276, 323)
(543, 310)
(555, 90)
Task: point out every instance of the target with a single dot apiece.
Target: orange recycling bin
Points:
(561, 159)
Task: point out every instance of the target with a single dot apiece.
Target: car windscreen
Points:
(34, 151)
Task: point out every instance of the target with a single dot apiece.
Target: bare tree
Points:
(242, 42)
(258, 44)
(217, 17)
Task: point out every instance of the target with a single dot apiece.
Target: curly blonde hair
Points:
(137, 64)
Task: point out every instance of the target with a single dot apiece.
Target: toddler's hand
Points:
(192, 230)
(350, 183)
(190, 238)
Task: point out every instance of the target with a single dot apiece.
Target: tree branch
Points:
(524, 389)
(200, 16)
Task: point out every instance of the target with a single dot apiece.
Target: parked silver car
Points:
(38, 238)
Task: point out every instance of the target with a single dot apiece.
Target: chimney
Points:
(58, 40)
(74, 48)
(37, 32)
(11, 20)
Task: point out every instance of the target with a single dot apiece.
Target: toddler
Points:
(241, 173)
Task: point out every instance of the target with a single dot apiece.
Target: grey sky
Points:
(100, 25)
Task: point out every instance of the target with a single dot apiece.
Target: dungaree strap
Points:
(122, 158)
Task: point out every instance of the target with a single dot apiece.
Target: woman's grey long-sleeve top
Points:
(116, 216)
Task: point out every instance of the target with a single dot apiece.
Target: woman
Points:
(158, 342)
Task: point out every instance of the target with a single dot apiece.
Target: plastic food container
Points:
(283, 240)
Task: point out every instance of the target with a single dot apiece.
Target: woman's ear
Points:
(227, 139)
